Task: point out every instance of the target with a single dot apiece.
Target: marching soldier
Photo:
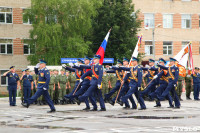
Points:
(196, 82)
(188, 84)
(63, 85)
(180, 87)
(173, 73)
(13, 84)
(43, 86)
(27, 84)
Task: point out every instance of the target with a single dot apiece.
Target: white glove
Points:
(139, 88)
(64, 65)
(117, 66)
(38, 65)
(45, 89)
(71, 64)
(155, 77)
(76, 64)
(81, 81)
(99, 86)
(174, 85)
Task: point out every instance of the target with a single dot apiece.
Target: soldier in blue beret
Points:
(27, 84)
(43, 86)
(13, 82)
(196, 81)
(173, 74)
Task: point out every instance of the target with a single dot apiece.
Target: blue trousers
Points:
(196, 91)
(27, 93)
(116, 88)
(45, 94)
(133, 90)
(170, 88)
(149, 89)
(158, 93)
(93, 90)
(12, 94)
(123, 91)
(71, 93)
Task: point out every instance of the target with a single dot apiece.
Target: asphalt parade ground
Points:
(71, 119)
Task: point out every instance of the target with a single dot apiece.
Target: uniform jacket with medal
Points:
(27, 79)
(12, 79)
(195, 77)
(134, 74)
(119, 73)
(162, 75)
(78, 72)
(43, 78)
(96, 72)
(84, 70)
(173, 73)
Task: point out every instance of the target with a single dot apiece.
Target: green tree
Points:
(121, 16)
(60, 28)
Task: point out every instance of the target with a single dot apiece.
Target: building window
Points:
(186, 21)
(26, 20)
(28, 50)
(4, 79)
(5, 15)
(167, 21)
(6, 46)
(184, 43)
(167, 48)
(149, 20)
(148, 48)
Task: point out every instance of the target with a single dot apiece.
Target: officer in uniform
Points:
(35, 79)
(188, 84)
(135, 75)
(27, 84)
(52, 85)
(173, 73)
(196, 81)
(72, 81)
(63, 85)
(13, 82)
(180, 87)
(43, 86)
(95, 83)
(22, 89)
(68, 84)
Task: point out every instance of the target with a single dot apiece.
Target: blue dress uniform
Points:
(135, 76)
(119, 74)
(196, 86)
(163, 82)
(173, 74)
(42, 87)
(123, 91)
(84, 86)
(27, 79)
(96, 73)
(12, 87)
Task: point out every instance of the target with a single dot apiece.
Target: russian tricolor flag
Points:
(102, 48)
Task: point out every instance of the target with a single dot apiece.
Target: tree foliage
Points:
(60, 28)
(121, 16)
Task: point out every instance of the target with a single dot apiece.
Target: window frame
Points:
(149, 47)
(149, 19)
(186, 22)
(168, 48)
(3, 76)
(172, 19)
(6, 48)
(5, 13)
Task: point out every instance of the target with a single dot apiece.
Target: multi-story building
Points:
(12, 32)
(174, 24)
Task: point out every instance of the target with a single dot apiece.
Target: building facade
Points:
(174, 22)
(13, 29)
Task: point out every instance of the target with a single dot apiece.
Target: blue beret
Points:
(172, 59)
(87, 58)
(119, 62)
(12, 67)
(135, 59)
(151, 60)
(23, 70)
(162, 60)
(79, 60)
(97, 57)
(125, 59)
(43, 61)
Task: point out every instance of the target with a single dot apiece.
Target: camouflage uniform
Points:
(56, 87)
(22, 91)
(179, 86)
(113, 80)
(51, 87)
(63, 83)
(188, 85)
(72, 80)
(105, 79)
